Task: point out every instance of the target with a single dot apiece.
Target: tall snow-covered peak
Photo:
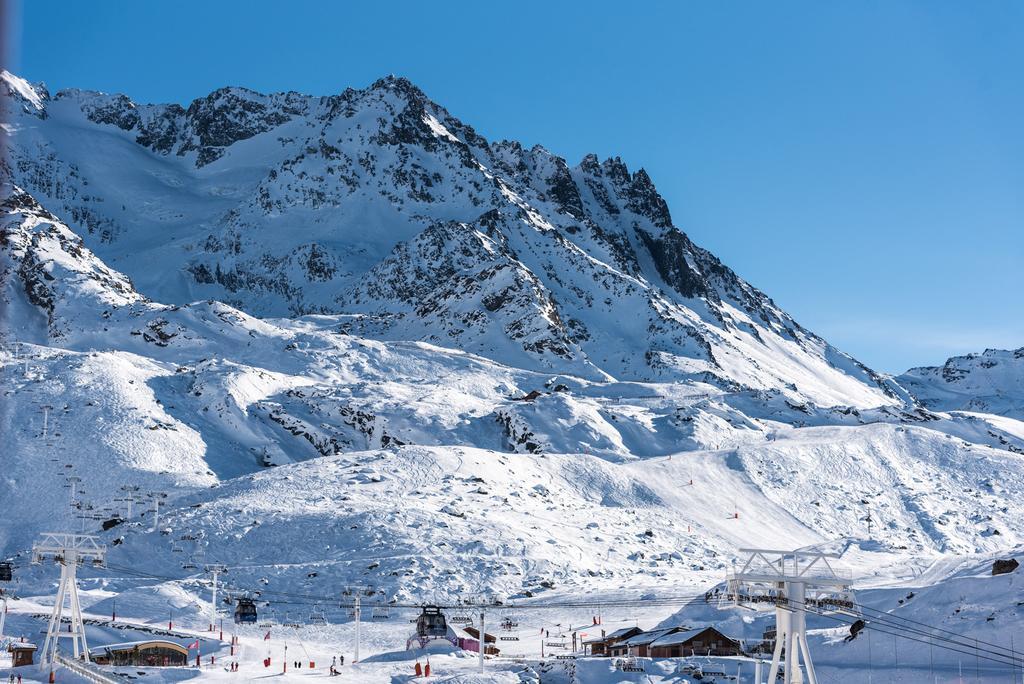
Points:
(287, 204)
(401, 86)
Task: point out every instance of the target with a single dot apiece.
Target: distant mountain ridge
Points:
(989, 382)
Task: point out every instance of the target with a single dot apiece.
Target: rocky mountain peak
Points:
(402, 86)
(20, 93)
(379, 203)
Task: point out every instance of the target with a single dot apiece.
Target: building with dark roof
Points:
(601, 646)
(706, 641)
(639, 645)
(21, 652)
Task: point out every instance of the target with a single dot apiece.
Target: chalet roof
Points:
(683, 636)
(22, 646)
(677, 637)
(625, 632)
(645, 638)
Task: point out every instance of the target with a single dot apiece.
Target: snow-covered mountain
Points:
(381, 204)
(990, 382)
(354, 343)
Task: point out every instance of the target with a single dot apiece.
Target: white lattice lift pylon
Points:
(793, 582)
(214, 569)
(69, 551)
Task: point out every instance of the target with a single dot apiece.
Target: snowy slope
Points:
(378, 202)
(200, 395)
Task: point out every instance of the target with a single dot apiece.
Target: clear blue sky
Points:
(861, 162)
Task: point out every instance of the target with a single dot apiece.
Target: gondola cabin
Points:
(431, 623)
(245, 612)
(431, 626)
(6, 572)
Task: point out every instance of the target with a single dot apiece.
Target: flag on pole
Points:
(194, 644)
(267, 635)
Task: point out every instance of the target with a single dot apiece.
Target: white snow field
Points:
(352, 348)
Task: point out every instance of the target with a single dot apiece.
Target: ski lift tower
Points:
(69, 551)
(214, 569)
(792, 582)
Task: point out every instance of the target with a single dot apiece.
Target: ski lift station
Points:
(154, 653)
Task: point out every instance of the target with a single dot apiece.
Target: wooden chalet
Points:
(601, 646)
(639, 645)
(706, 641)
(22, 653)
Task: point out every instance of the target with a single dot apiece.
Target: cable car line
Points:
(882, 622)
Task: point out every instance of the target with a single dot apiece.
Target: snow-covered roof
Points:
(617, 634)
(677, 637)
(644, 638)
(22, 646)
(681, 637)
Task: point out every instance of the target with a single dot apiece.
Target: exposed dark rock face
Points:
(44, 256)
(670, 254)
(228, 115)
(1004, 567)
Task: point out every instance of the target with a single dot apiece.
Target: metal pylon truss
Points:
(792, 583)
(69, 551)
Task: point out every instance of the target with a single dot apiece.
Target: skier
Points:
(343, 661)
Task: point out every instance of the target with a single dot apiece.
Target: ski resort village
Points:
(297, 387)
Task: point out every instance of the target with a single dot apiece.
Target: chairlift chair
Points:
(316, 616)
(380, 613)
